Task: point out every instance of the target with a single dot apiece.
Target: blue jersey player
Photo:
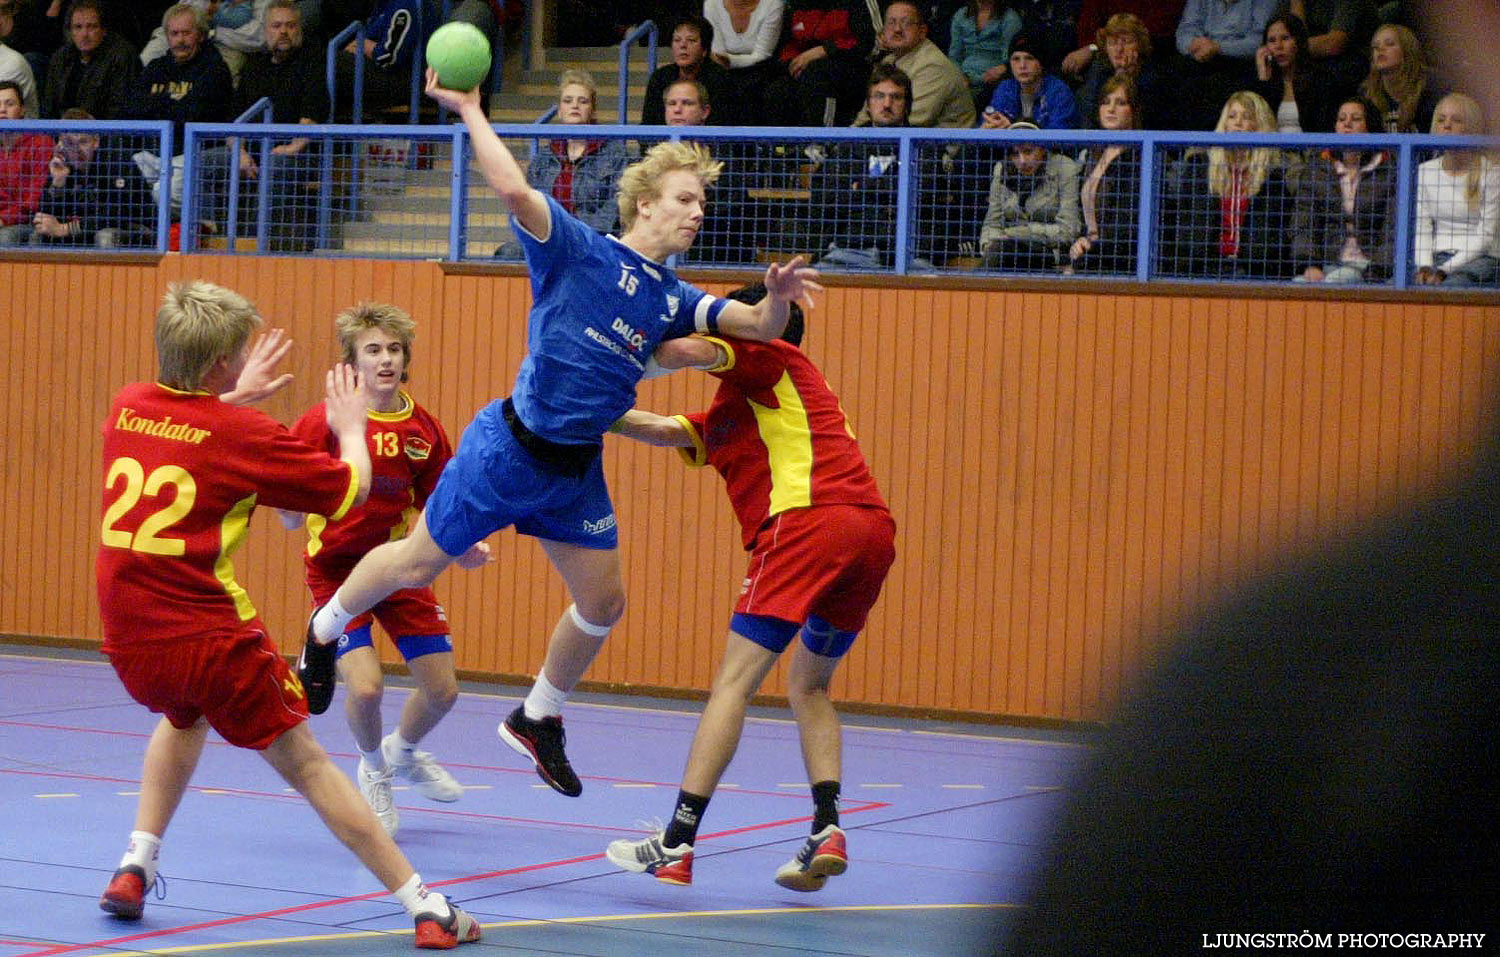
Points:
(601, 306)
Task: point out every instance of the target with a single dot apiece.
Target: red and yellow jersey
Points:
(182, 474)
(777, 434)
(408, 449)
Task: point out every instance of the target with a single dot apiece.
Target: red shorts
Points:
(404, 613)
(238, 681)
(828, 560)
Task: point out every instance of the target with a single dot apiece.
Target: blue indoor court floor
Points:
(944, 824)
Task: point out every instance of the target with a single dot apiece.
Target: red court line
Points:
(336, 755)
(318, 905)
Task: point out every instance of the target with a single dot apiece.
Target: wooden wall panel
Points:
(1071, 473)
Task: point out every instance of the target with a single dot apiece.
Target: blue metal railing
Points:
(159, 130)
(647, 29)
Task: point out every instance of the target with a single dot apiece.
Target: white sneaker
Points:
(375, 785)
(431, 780)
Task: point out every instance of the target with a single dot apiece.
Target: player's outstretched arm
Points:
(345, 402)
(653, 429)
(500, 168)
(258, 380)
(793, 282)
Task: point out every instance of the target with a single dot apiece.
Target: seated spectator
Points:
(745, 35)
(392, 40)
(578, 172)
(1033, 216)
(237, 28)
(1398, 85)
(1339, 37)
(1109, 195)
(13, 66)
(94, 195)
(23, 168)
(1300, 96)
(1052, 25)
(981, 33)
(692, 38)
(290, 74)
(1226, 209)
(940, 90)
(1458, 203)
(687, 103)
(94, 71)
(1124, 49)
(1030, 95)
(827, 60)
(39, 31)
(187, 84)
(1346, 209)
(854, 190)
(1159, 19)
(1216, 44)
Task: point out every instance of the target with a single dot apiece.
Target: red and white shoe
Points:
(671, 865)
(435, 933)
(824, 855)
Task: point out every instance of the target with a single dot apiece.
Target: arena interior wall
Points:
(1073, 471)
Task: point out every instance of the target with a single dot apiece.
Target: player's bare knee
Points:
(603, 612)
(440, 696)
(364, 692)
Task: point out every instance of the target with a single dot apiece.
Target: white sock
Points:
(142, 851)
(544, 699)
(417, 899)
(375, 759)
(331, 620)
(397, 749)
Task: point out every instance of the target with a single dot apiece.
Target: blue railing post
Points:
(458, 205)
(906, 176)
(1404, 248)
(1149, 228)
(648, 28)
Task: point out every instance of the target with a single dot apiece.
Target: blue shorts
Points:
(492, 483)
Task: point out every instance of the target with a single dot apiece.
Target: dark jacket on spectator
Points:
(854, 193)
(296, 86)
(710, 74)
(102, 86)
(1321, 224)
(198, 91)
(1193, 221)
(1318, 98)
(108, 192)
(1116, 213)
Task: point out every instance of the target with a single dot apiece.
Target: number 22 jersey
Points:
(183, 472)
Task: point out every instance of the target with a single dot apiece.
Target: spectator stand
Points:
(645, 29)
(152, 136)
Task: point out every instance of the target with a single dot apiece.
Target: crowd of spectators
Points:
(1231, 66)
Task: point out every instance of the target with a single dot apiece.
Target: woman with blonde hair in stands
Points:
(578, 172)
(1231, 205)
(1398, 84)
(1458, 203)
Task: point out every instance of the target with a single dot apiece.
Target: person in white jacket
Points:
(1458, 204)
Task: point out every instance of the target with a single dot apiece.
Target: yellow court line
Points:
(541, 922)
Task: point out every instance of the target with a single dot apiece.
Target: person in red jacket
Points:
(827, 59)
(821, 541)
(23, 168)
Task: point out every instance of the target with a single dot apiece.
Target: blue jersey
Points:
(599, 311)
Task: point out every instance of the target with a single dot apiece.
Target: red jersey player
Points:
(184, 469)
(408, 450)
(820, 540)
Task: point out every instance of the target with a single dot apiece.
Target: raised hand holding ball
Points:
(459, 54)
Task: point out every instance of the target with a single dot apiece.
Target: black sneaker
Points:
(315, 669)
(542, 741)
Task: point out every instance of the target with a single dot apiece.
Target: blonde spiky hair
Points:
(642, 180)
